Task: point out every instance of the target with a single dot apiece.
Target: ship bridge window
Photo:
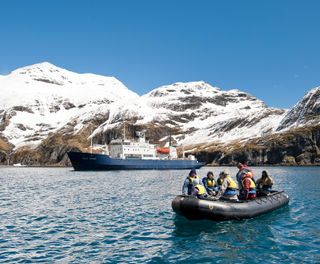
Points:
(147, 155)
(132, 156)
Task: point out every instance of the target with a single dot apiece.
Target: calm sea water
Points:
(57, 215)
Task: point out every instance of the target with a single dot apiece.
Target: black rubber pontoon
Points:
(194, 208)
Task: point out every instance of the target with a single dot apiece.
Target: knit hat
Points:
(239, 165)
(225, 173)
(266, 173)
(192, 171)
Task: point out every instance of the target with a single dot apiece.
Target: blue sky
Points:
(268, 48)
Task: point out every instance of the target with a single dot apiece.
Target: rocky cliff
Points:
(296, 147)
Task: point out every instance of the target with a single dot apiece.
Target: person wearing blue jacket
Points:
(210, 184)
(198, 190)
(188, 183)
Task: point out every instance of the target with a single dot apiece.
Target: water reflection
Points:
(229, 241)
(185, 227)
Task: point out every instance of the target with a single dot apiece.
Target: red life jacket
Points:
(246, 170)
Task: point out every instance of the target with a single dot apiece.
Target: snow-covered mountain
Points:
(205, 113)
(40, 100)
(305, 113)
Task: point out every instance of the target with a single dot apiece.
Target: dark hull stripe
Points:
(87, 161)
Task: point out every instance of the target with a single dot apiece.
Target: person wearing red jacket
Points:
(244, 170)
(248, 190)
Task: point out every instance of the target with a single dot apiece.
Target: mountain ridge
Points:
(43, 101)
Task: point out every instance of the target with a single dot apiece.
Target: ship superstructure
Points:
(140, 149)
(127, 149)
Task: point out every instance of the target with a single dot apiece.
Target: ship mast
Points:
(91, 144)
(124, 131)
(183, 154)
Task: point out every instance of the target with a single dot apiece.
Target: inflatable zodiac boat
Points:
(194, 208)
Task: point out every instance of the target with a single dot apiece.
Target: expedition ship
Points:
(133, 155)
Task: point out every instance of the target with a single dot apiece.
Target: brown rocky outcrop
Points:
(297, 147)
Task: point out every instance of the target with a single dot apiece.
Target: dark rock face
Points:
(47, 81)
(3, 157)
(68, 105)
(22, 109)
(296, 147)
(52, 152)
(154, 133)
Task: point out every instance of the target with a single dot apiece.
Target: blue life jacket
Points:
(190, 185)
(232, 188)
(267, 188)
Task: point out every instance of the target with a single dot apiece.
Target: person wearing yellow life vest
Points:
(188, 183)
(264, 184)
(244, 169)
(198, 190)
(228, 189)
(220, 180)
(248, 190)
(210, 184)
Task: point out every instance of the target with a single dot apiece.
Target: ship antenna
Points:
(124, 131)
(91, 145)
